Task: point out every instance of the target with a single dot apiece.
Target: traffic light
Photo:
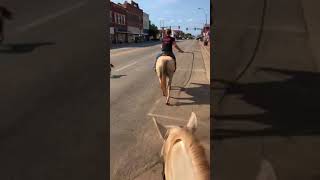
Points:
(195, 28)
(186, 29)
(178, 27)
(170, 27)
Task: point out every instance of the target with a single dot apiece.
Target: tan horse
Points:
(184, 157)
(165, 68)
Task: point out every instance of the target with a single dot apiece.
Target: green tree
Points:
(188, 35)
(153, 30)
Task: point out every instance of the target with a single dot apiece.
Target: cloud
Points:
(189, 20)
(172, 21)
(166, 12)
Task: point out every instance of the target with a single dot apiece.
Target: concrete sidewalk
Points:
(205, 50)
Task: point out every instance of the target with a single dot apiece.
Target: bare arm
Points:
(177, 47)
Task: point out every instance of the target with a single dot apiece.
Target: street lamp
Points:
(204, 13)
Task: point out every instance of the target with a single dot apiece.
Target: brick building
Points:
(118, 23)
(146, 24)
(134, 21)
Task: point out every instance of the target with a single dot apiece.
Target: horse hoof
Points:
(167, 103)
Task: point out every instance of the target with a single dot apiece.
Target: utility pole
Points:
(205, 14)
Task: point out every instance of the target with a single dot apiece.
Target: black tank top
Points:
(167, 42)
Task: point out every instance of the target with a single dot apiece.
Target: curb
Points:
(206, 59)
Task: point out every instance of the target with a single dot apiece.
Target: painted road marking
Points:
(125, 51)
(45, 19)
(267, 171)
(124, 67)
(166, 117)
(121, 51)
(138, 60)
(154, 106)
(174, 118)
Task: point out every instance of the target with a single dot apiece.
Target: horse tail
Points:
(164, 75)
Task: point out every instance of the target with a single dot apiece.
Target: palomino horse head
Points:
(184, 158)
(165, 68)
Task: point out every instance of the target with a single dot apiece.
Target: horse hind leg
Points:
(169, 89)
(161, 86)
(164, 85)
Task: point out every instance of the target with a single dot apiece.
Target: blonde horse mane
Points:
(194, 149)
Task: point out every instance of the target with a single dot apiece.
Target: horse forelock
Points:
(194, 148)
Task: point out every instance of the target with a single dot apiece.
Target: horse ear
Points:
(162, 130)
(192, 124)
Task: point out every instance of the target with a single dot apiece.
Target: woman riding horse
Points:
(167, 43)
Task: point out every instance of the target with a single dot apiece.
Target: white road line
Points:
(154, 106)
(266, 172)
(166, 117)
(45, 19)
(124, 67)
(173, 118)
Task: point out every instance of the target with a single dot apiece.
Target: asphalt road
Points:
(135, 97)
(53, 91)
(266, 121)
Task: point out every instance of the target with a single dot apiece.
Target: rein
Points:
(162, 161)
(163, 170)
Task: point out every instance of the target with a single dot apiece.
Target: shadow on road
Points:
(116, 76)
(291, 106)
(200, 95)
(22, 47)
(177, 88)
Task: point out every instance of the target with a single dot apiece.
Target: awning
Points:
(124, 32)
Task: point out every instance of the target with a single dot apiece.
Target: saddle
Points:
(167, 54)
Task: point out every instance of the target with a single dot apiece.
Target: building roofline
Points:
(119, 5)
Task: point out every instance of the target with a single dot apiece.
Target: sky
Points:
(183, 13)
